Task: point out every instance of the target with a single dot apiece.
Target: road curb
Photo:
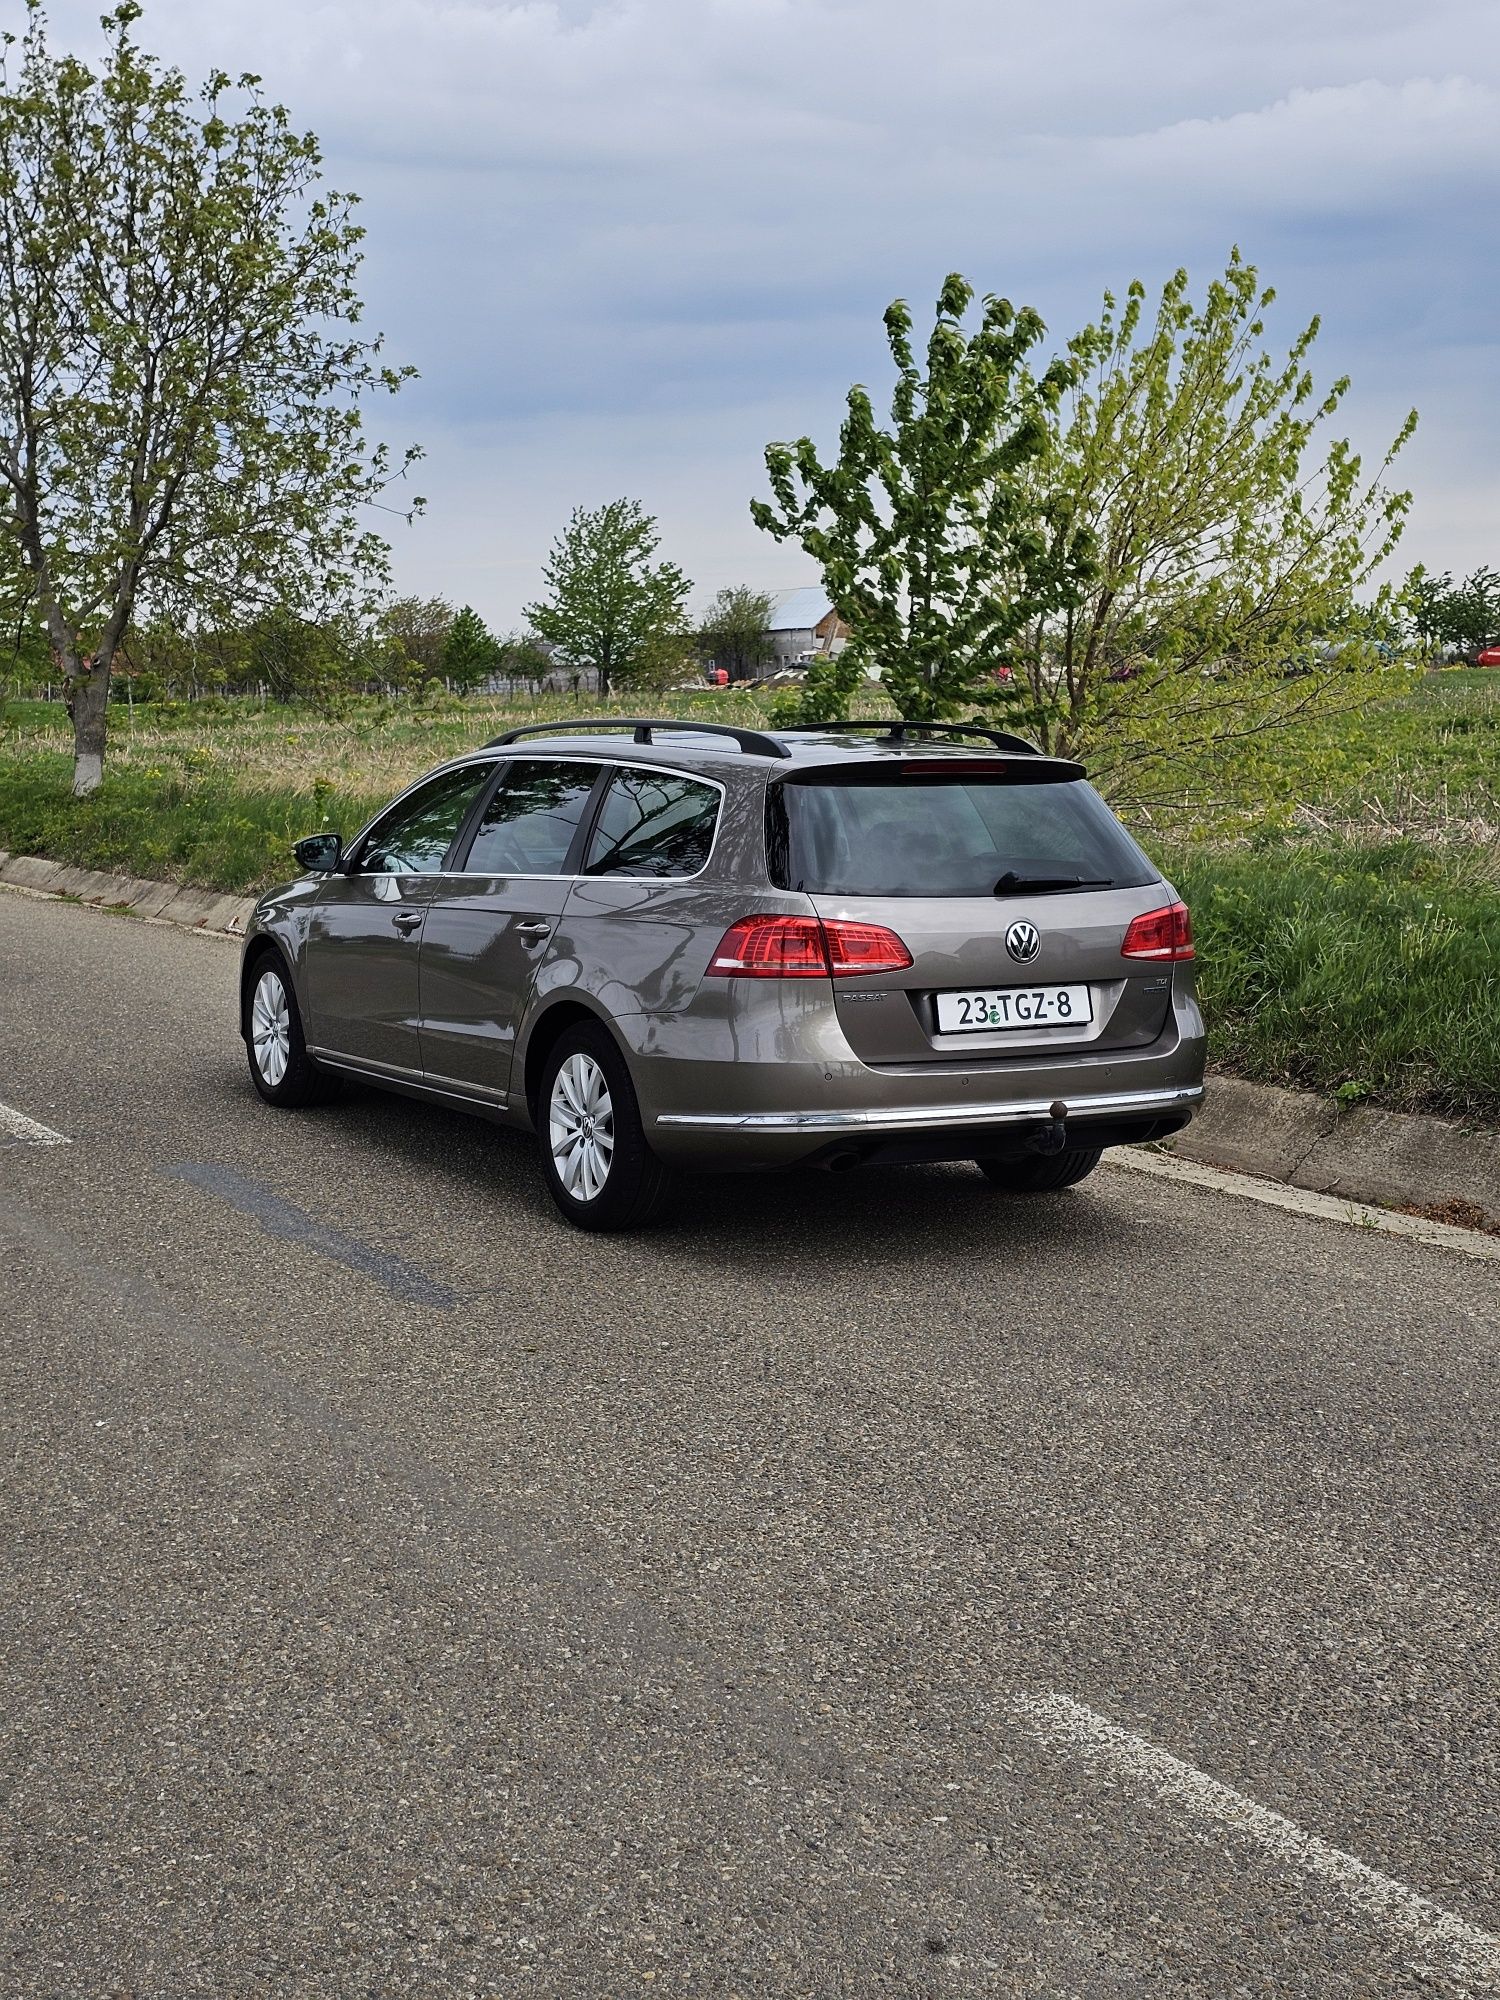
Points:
(1393, 1159)
(1390, 1158)
(175, 902)
(1157, 1164)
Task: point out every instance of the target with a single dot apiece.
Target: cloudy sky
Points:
(627, 242)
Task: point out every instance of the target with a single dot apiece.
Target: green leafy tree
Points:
(1472, 612)
(524, 657)
(610, 609)
(415, 634)
(666, 660)
(298, 660)
(1464, 616)
(1423, 597)
(936, 547)
(1231, 540)
(734, 632)
(471, 652)
(181, 362)
(161, 657)
(25, 657)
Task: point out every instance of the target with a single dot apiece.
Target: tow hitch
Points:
(1053, 1136)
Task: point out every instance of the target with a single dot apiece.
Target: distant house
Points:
(804, 623)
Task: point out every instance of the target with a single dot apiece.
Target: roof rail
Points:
(897, 732)
(753, 741)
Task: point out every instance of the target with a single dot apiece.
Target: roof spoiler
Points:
(901, 731)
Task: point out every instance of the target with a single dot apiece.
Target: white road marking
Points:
(18, 1130)
(1068, 1724)
(1305, 1201)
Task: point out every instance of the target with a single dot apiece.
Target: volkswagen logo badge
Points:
(1023, 941)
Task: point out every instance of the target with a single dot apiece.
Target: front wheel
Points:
(1041, 1173)
(280, 1067)
(600, 1170)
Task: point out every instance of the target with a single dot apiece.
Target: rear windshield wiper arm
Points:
(1012, 884)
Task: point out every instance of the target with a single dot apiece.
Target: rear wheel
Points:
(280, 1067)
(600, 1170)
(1041, 1173)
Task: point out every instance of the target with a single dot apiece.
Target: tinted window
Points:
(414, 837)
(938, 836)
(653, 824)
(528, 826)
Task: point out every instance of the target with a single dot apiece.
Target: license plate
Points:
(986, 1009)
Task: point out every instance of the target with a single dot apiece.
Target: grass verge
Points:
(180, 827)
(1333, 956)
(1369, 972)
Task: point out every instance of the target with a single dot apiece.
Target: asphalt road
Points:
(860, 1586)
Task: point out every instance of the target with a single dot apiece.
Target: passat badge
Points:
(1023, 941)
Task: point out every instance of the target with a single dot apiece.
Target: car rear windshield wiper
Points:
(1012, 884)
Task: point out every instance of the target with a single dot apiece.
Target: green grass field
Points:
(1367, 970)
(1349, 934)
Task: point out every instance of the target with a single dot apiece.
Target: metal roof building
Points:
(799, 610)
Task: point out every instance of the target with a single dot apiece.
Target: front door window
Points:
(416, 834)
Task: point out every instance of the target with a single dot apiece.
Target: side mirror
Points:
(320, 853)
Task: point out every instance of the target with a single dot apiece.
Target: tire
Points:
(1041, 1173)
(599, 1169)
(280, 1067)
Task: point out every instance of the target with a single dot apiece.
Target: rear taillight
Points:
(772, 948)
(862, 948)
(1160, 934)
(806, 948)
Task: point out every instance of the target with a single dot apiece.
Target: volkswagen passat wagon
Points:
(669, 945)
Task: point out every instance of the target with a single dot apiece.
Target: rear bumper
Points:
(903, 1118)
(913, 1134)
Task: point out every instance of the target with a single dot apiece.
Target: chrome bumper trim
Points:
(1015, 1111)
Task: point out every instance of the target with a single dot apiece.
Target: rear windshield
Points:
(946, 836)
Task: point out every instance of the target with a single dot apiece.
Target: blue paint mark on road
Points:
(294, 1225)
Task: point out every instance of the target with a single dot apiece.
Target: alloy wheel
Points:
(271, 1027)
(581, 1126)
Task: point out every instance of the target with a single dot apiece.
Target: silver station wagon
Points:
(674, 946)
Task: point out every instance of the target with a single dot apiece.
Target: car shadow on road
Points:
(762, 1222)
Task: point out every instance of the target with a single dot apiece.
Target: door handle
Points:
(406, 921)
(533, 931)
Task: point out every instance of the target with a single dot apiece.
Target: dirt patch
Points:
(1457, 1214)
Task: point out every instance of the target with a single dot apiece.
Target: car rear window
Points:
(940, 835)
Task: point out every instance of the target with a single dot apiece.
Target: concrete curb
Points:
(1359, 1152)
(1384, 1157)
(197, 909)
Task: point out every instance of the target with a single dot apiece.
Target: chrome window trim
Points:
(557, 757)
(613, 764)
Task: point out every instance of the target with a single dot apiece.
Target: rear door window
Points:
(529, 826)
(927, 834)
(654, 824)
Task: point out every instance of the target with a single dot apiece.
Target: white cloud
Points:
(1354, 142)
(628, 242)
